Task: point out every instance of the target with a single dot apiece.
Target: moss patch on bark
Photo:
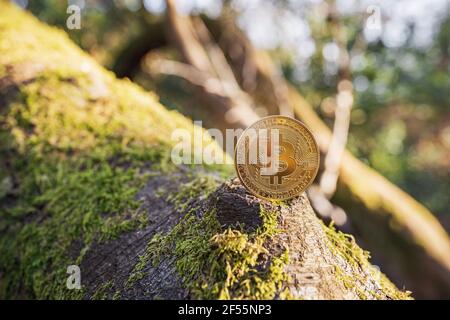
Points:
(76, 145)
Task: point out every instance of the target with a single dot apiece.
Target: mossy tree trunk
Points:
(86, 180)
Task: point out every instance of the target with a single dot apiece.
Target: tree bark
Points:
(85, 180)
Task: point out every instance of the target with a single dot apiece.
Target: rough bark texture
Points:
(314, 257)
(86, 179)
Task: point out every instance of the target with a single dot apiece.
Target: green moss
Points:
(200, 186)
(103, 291)
(270, 223)
(76, 145)
(243, 269)
(344, 245)
(117, 295)
(215, 263)
(63, 204)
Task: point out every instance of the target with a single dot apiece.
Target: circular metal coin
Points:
(277, 158)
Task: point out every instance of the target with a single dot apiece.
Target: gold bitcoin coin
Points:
(277, 158)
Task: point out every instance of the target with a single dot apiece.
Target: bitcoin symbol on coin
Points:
(286, 162)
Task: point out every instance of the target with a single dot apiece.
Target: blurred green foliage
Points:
(400, 122)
